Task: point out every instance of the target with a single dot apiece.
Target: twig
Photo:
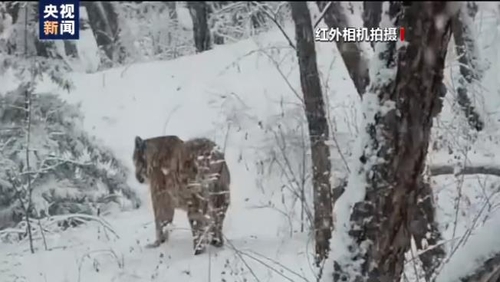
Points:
(287, 216)
(226, 137)
(170, 114)
(457, 204)
(82, 217)
(322, 14)
(268, 266)
(238, 253)
(87, 255)
(209, 265)
(281, 265)
(301, 184)
(273, 18)
(301, 99)
(42, 232)
(28, 125)
(248, 54)
(412, 245)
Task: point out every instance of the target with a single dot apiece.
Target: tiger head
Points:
(139, 158)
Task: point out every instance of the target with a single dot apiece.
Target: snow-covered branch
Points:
(436, 170)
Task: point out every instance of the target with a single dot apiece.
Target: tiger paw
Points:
(199, 250)
(155, 244)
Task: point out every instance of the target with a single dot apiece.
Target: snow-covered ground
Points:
(243, 96)
(234, 94)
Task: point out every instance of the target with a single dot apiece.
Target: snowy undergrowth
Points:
(72, 173)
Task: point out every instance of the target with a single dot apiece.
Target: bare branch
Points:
(272, 17)
(28, 90)
(322, 14)
(83, 218)
(442, 170)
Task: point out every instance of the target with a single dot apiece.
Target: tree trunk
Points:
(470, 73)
(400, 106)
(318, 128)
(372, 11)
(27, 107)
(103, 19)
(354, 59)
(424, 229)
(201, 31)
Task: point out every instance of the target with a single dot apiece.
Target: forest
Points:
(399, 185)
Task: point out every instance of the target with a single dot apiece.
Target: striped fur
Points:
(191, 176)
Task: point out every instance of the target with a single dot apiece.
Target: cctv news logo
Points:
(59, 19)
(352, 34)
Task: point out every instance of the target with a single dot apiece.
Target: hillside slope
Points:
(246, 97)
(234, 94)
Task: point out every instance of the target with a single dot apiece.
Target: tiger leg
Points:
(197, 208)
(219, 206)
(164, 214)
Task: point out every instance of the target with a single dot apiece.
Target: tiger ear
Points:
(139, 143)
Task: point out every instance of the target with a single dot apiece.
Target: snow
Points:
(5, 26)
(473, 253)
(244, 96)
(88, 51)
(232, 88)
(183, 16)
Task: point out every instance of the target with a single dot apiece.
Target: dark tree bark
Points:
(424, 228)
(466, 49)
(318, 128)
(382, 223)
(199, 14)
(355, 62)
(372, 13)
(103, 19)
